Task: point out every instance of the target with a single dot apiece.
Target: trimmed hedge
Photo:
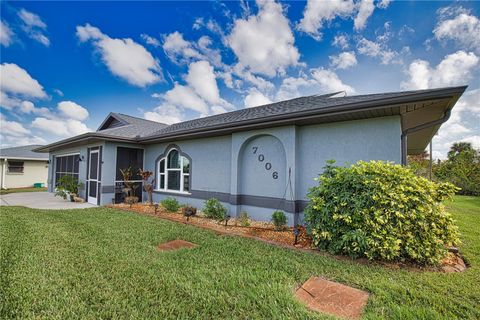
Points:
(380, 211)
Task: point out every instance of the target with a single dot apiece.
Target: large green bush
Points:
(380, 211)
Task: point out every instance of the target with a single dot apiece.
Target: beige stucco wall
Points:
(33, 172)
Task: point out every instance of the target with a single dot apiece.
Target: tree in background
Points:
(419, 164)
(462, 168)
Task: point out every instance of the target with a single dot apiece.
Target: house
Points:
(256, 159)
(20, 167)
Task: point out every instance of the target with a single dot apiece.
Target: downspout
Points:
(418, 128)
(3, 173)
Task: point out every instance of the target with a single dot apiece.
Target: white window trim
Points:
(165, 174)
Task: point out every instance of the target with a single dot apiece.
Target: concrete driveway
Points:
(40, 200)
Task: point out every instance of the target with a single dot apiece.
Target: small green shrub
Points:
(380, 211)
(244, 219)
(279, 220)
(214, 209)
(67, 185)
(170, 204)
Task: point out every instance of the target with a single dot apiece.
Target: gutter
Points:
(427, 125)
(282, 119)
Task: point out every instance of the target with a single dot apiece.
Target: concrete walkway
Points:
(40, 200)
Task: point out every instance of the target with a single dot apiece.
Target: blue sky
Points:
(65, 66)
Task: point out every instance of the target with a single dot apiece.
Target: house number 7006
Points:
(268, 165)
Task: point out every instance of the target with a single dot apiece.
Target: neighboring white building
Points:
(20, 167)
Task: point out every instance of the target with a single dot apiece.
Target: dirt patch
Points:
(332, 298)
(175, 245)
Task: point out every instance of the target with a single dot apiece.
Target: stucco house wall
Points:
(33, 172)
(264, 158)
(263, 170)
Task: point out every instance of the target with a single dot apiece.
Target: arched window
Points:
(174, 172)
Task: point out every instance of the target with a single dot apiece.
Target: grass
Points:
(101, 263)
(15, 190)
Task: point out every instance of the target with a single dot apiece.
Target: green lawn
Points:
(101, 263)
(15, 190)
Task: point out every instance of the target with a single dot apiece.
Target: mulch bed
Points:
(265, 231)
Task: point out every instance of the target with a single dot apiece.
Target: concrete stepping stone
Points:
(175, 245)
(333, 298)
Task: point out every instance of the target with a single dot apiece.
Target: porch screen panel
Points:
(66, 166)
(129, 157)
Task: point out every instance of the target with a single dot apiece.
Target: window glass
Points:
(173, 161)
(186, 183)
(162, 181)
(162, 166)
(15, 166)
(173, 180)
(186, 165)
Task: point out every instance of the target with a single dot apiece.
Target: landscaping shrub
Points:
(67, 185)
(170, 204)
(244, 219)
(279, 220)
(380, 211)
(214, 209)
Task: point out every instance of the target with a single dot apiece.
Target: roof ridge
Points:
(143, 119)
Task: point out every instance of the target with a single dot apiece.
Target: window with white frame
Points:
(174, 172)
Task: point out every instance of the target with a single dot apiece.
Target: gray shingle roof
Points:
(23, 152)
(134, 127)
(308, 103)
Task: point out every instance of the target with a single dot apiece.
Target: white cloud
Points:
(291, 87)
(376, 49)
(264, 43)
(70, 109)
(13, 133)
(178, 49)
(150, 40)
(462, 125)
(14, 128)
(6, 34)
(60, 127)
(340, 41)
(383, 4)
(463, 29)
(255, 98)
(34, 26)
(344, 60)
(454, 69)
(317, 13)
(202, 79)
(31, 19)
(164, 114)
(329, 81)
(365, 10)
(16, 80)
(181, 51)
(185, 97)
(29, 107)
(124, 57)
(200, 94)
